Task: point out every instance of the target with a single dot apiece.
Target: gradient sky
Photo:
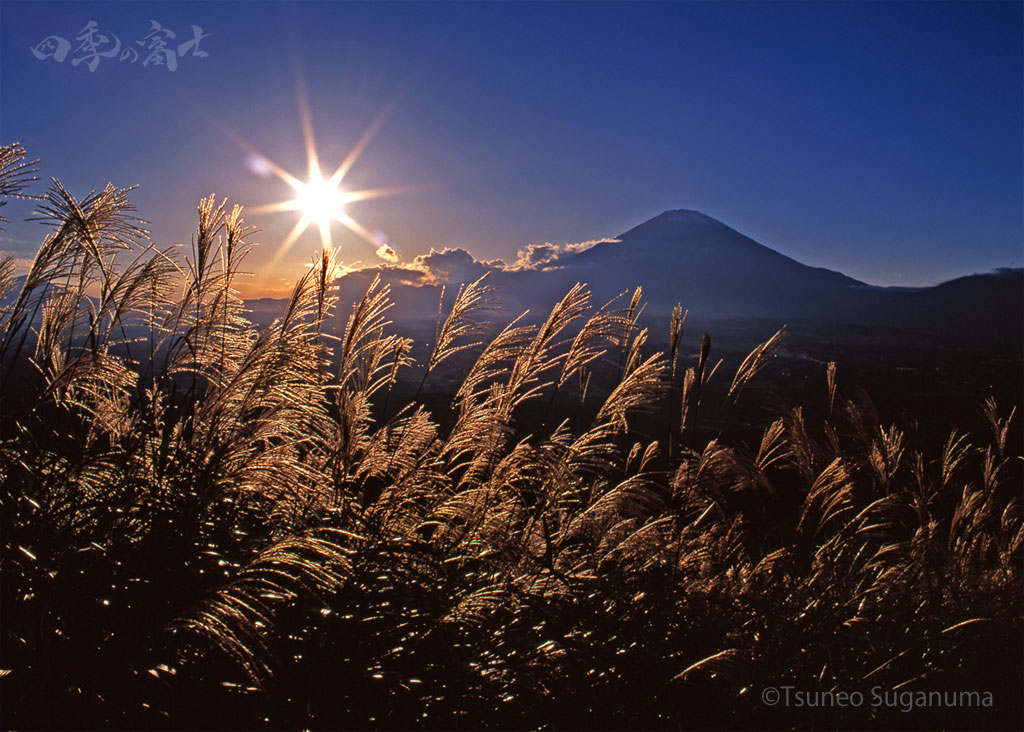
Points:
(884, 140)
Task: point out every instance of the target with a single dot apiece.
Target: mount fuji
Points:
(687, 257)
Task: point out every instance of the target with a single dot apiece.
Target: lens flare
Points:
(321, 201)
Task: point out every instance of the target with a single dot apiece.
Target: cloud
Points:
(535, 256)
(21, 264)
(385, 247)
(550, 256)
(451, 265)
(387, 253)
(400, 275)
(12, 245)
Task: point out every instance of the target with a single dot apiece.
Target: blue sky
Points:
(883, 140)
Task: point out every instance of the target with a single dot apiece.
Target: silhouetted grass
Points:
(205, 526)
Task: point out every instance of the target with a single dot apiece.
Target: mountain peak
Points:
(678, 222)
(686, 216)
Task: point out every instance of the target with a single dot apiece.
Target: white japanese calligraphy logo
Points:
(153, 49)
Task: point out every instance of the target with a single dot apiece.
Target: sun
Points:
(319, 200)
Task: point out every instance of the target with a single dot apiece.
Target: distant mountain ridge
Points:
(687, 257)
(715, 272)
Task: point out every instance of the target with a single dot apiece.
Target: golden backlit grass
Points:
(208, 524)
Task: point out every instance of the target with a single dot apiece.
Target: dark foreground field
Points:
(218, 526)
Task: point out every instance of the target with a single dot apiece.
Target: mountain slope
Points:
(978, 306)
(687, 257)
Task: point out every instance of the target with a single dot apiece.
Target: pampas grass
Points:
(207, 524)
